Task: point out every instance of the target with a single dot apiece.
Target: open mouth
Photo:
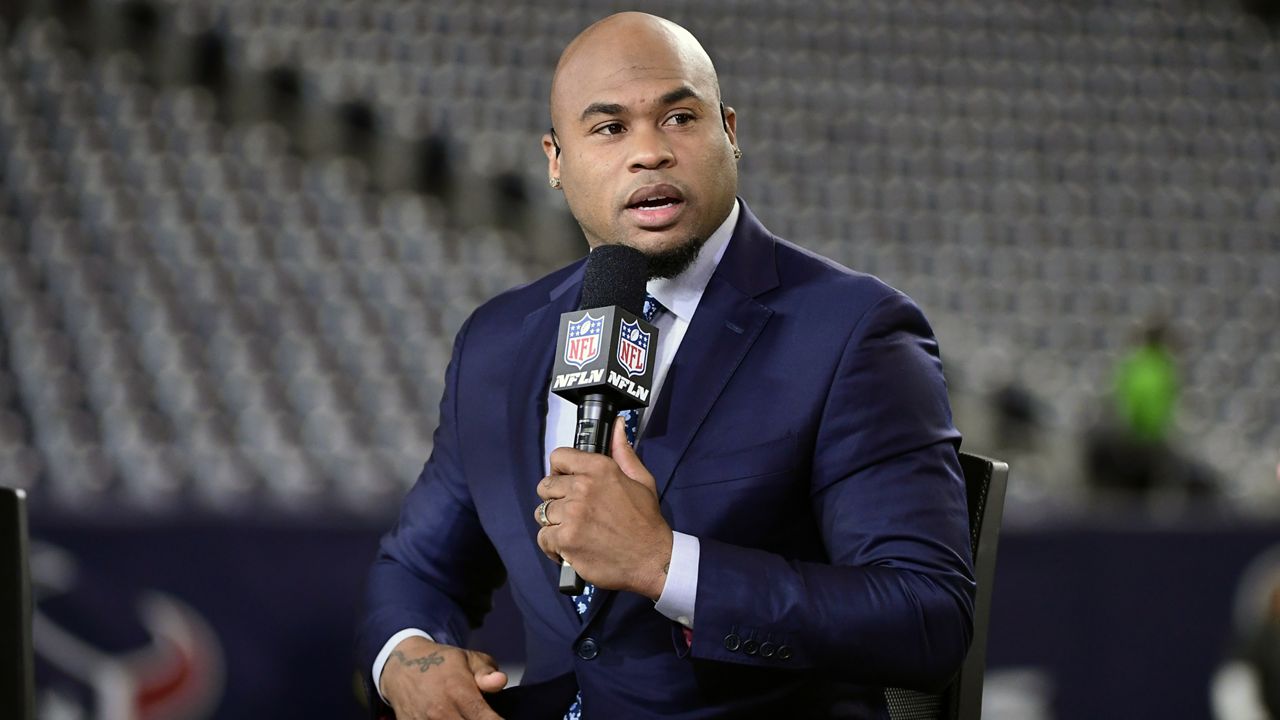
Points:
(655, 206)
(656, 202)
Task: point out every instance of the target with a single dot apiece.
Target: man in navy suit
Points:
(789, 535)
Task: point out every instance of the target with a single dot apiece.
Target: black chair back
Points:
(984, 481)
(17, 685)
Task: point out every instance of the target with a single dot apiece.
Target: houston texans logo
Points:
(174, 673)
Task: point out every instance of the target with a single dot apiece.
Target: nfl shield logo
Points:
(583, 342)
(633, 348)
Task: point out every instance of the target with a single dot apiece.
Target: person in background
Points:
(1146, 389)
(1246, 686)
(1134, 453)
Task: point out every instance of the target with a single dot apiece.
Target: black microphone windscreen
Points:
(615, 275)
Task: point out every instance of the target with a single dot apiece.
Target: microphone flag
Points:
(604, 351)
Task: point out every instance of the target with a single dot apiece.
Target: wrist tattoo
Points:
(423, 663)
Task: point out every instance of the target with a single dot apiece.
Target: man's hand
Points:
(604, 518)
(425, 680)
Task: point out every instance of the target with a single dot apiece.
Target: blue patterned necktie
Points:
(581, 602)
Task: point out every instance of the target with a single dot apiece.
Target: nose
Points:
(650, 150)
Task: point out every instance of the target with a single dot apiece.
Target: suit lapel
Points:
(727, 323)
(528, 403)
(724, 327)
(723, 330)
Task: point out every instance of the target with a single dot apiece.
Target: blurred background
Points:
(237, 236)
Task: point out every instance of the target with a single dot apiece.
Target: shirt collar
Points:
(681, 294)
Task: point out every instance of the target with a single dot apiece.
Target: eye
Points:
(680, 118)
(613, 128)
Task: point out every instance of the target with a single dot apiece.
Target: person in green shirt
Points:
(1134, 450)
(1146, 388)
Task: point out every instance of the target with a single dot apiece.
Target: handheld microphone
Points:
(604, 355)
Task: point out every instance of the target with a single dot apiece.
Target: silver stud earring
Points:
(737, 153)
(555, 182)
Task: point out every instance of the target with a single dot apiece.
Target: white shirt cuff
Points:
(680, 593)
(381, 661)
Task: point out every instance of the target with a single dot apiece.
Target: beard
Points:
(671, 262)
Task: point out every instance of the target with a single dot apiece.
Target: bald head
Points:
(627, 43)
(642, 148)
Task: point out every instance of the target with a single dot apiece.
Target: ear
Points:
(553, 158)
(730, 124)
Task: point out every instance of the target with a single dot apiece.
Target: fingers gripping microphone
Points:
(604, 355)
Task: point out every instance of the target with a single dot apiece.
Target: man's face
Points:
(646, 159)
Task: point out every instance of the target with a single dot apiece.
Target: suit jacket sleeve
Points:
(436, 570)
(894, 604)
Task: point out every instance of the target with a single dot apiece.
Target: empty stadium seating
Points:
(206, 300)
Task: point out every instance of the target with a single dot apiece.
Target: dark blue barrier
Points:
(1128, 619)
(1125, 621)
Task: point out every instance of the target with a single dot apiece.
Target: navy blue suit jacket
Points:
(803, 435)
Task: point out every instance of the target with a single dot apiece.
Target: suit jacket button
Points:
(784, 652)
(732, 642)
(767, 649)
(588, 649)
(750, 647)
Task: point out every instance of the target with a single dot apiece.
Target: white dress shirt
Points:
(680, 297)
